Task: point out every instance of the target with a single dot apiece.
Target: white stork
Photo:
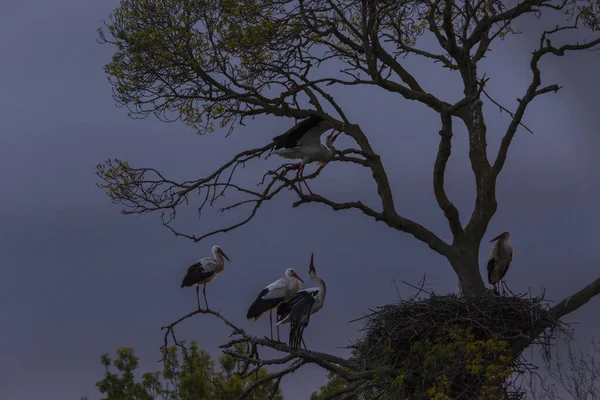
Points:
(303, 142)
(272, 295)
(499, 261)
(204, 271)
(298, 309)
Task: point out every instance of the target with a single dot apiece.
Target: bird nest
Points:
(424, 338)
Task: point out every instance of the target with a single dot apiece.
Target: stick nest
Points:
(392, 331)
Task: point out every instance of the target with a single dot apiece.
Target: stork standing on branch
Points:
(204, 271)
(298, 309)
(273, 295)
(303, 142)
(499, 261)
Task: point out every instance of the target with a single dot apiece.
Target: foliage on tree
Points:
(214, 64)
(188, 373)
(442, 361)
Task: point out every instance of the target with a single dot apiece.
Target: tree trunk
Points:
(465, 262)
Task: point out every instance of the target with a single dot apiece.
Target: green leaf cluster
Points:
(186, 375)
(435, 369)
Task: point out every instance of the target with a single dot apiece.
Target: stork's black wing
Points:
(199, 272)
(312, 126)
(299, 316)
(506, 266)
(490, 268)
(284, 308)
(262, 305)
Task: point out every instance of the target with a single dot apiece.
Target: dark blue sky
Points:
(80, 279)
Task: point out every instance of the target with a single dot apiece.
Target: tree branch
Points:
(143, 190)
(560, 310)
(533, 90)
(439, 172)
(511, 14)
(393, 221)
(346, 369)
(576, 300)
(502, 108)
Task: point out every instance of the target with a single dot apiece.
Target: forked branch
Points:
(142, 190)
(535, 88)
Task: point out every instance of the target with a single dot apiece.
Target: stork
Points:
(272, 295)
(499, 261)
(298, 309)
(303, 142)
(204, 271)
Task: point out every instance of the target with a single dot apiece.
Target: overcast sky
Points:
(80, 279)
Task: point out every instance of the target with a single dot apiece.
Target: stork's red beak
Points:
(496, 238)
(224, 255)
(335, 133)
(311, 268)
(297, 277)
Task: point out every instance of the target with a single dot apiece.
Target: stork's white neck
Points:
(322, 286)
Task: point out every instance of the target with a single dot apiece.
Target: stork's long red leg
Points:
(198, 296)
(303, 180)
(271, 322)
(278, 339)
(309, 191)
(204, 292)
(299, 174)
(300, 177)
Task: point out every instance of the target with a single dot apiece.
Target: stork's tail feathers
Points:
(187, 281)
(296, 337)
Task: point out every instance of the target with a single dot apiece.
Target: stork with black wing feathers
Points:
(303, 142)
(500, 258)
(273, 295)
(204, 271)
(297, 310)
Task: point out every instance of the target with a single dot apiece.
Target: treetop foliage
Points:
(188, 373)
(205, 61)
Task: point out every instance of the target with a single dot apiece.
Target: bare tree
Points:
(218, 62)
(577, 377)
